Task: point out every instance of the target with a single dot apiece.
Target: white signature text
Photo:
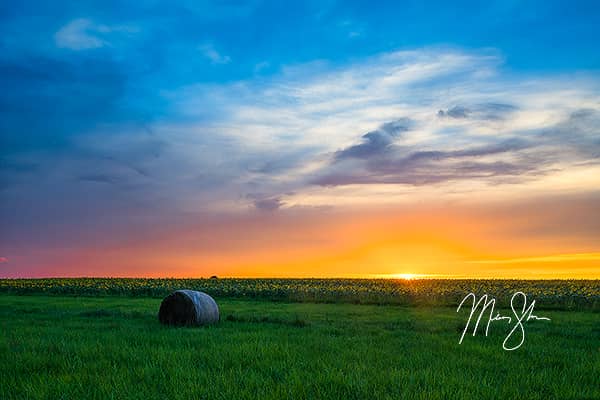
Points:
(516, 336)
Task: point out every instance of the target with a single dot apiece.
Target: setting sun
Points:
(407, 277)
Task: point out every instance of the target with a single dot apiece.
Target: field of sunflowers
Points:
(549, 294)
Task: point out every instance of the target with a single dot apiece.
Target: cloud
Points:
(314, 135)
(406, 119)
(579, 132)
(351, 28)
(261, 66)
(84, 34)
(522, 156)
(485, 111)
(424, 174)
(209, 51)
(78, 34)
(376, 142)
(268, 204)
(455, 112)
(3, 260)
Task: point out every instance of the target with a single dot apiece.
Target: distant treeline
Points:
(548, 294)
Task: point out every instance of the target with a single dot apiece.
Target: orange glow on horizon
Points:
(421, 242)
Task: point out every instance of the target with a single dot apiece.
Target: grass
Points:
(114, 348)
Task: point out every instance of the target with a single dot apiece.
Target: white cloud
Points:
(78, 35)
(313, 110)
(84, 34)
(209, 51)
(261, 66)
(273, 138)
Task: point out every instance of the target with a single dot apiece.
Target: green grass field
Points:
(113, 347)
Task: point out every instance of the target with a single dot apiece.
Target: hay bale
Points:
(188, 307)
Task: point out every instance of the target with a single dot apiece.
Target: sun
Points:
(407, 277)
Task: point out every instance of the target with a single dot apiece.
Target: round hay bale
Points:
(188, 307)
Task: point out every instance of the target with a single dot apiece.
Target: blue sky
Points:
(122, 56)
(119, 117)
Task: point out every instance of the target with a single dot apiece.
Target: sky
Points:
(300, 139)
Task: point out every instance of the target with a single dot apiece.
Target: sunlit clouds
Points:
(132, 153)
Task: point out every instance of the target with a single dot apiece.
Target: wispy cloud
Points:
(389, 162)
(209, 51)
(84, 34)
(321, 135)
(404, 119)
(261, 66)
(485, 111)
(351, 28)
